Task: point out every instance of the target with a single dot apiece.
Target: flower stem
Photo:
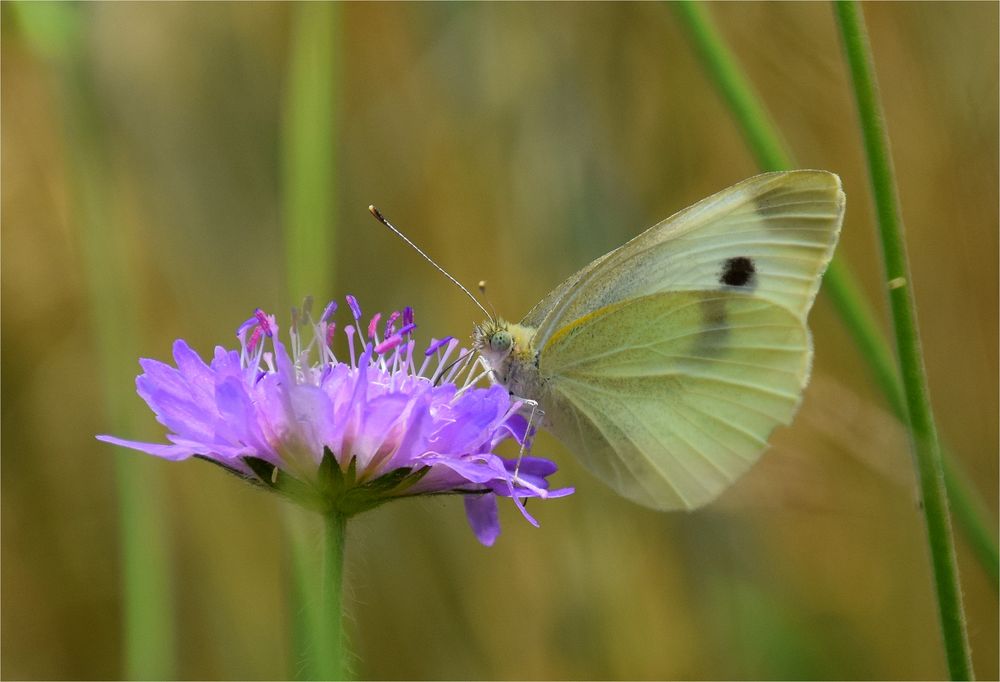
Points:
(924, 441)
(839, 285)
(330, 655)
(309, 135)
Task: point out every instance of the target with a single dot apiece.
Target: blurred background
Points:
(151, 162)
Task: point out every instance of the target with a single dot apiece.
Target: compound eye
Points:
(501, 342)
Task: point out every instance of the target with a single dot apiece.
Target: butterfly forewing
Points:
(673, 412)
(771, 236)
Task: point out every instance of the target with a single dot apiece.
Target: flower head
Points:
(345, 436)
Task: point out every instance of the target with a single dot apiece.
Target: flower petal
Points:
(171, 452)
(484, 518)
(238, 423)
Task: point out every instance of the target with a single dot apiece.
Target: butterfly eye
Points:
(501, 342)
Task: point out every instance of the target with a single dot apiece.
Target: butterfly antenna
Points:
(482, 292)
(382, 219)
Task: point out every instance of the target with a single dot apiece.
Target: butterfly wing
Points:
(672, 412)
(772, 235)
(668, 362)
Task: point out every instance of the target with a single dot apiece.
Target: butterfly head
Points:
(505, 347)
(493, 340)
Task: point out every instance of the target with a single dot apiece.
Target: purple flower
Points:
(348, 436)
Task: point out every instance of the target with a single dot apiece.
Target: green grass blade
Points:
(923, 432)
(839, 285)
(55, 33)
(309, 134)
(971, 513)
(758, 130)
(309, 188)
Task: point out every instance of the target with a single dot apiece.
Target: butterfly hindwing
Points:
(672, 412)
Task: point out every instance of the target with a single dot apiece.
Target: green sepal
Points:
(371, 494)
(331, 476)
(408, 482)
(252, 480)
(386, 482)
(377, 492)
(334, 489)
(352, 473)
(286, 484)
(263, 469)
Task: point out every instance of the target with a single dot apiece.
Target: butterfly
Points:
(666, 364)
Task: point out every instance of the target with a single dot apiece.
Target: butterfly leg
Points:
(527, 431)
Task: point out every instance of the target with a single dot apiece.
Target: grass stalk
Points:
(924, 440)
(147, 601)
(839, 285)
(56, 33)
(309, 134)
(759, 131)
(311, 115)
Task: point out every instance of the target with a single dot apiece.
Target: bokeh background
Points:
(514, 142)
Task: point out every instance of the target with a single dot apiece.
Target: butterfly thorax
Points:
(511, 355)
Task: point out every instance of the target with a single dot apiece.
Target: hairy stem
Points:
(309, 196)
(329, 656)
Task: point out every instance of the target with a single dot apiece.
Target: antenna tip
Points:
(375, 212)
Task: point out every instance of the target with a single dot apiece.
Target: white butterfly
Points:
(666, 364)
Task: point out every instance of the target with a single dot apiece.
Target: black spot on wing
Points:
(738, 272)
